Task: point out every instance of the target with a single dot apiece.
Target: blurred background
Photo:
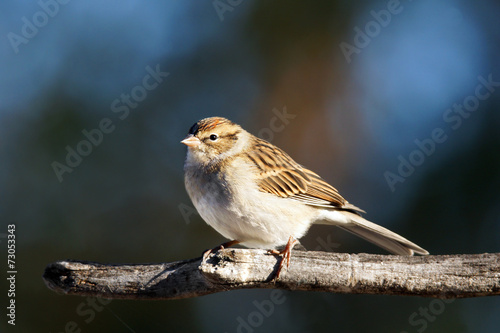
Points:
(394, 103)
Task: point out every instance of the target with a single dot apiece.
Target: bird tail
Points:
(379, 236)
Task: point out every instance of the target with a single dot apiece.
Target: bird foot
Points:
(207, 253)
(286, 254)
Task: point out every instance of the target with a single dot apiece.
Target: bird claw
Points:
(286, 254)
(208, 252)
(221, 247)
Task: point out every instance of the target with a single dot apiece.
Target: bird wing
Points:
(280, 175)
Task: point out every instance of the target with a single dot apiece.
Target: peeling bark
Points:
(443, 276)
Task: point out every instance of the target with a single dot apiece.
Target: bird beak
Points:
(191, 141)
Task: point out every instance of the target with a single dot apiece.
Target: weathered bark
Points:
(444, 276)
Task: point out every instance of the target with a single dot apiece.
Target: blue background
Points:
(355, 118)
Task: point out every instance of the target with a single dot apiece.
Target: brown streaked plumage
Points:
(282, 176)
(255, 194)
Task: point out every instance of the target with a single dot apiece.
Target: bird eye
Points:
(214, 137)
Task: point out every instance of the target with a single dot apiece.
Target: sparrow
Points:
(256, 195)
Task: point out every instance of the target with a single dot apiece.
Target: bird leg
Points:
(218, 248)
(286, 253)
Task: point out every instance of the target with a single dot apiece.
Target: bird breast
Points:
(231, 202)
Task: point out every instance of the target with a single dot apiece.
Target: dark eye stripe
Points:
(229, 136)
(232, 136)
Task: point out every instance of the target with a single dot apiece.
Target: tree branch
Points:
(444, 276)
